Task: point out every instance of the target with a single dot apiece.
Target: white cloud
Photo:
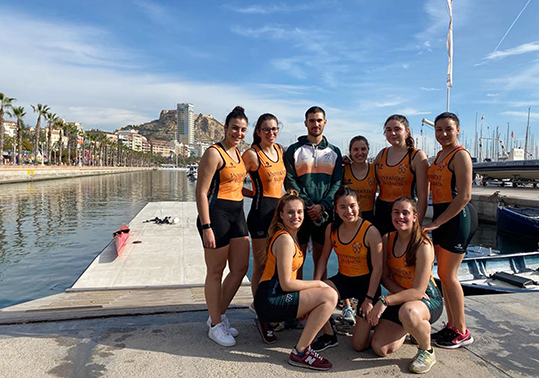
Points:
(412, 112)
(157, 13)
(429, 89)
(264, 9)
(522, 49)
(492, 94)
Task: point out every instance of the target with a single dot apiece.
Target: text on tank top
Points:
(442, 180)
(399, 272)
(396, 180)
(227, 182)
(353, 256)
(270, 270)
(268, 179)
(365, 188)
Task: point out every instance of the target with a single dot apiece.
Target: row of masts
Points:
(487, 144)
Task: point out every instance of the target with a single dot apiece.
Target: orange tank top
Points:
(396, 180)
(354, 256)
(268, 179)
(442, 179)
(270, 270)
(365, 187)
(399, 272)
(227, 182)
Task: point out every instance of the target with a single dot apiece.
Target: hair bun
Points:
(239, 109)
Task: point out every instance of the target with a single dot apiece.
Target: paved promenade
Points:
(27, 173)
(176, 345)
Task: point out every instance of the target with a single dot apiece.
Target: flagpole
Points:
(449, 44)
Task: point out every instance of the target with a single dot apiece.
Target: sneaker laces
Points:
(315, 354)
(422, 355)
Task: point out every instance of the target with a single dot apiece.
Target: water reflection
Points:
(51, 230)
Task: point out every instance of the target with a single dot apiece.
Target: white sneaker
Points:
(220, 335)
(233, 331)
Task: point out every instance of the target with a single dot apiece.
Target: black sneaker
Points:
(324, 341)
(441, 334)
(455, 339)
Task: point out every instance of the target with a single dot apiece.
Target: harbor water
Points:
(50, 231)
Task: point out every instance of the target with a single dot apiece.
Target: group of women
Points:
(384, 244)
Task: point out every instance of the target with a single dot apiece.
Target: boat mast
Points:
(527, 132)
(475, 144)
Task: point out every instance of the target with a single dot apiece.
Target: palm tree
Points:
(60, 123)
(51, 117)
(41, 111)
(5, 103)
(19, 113)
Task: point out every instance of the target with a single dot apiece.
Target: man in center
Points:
(314, 169)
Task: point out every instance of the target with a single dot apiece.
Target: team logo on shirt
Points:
(372, 181)
(403, 168)
(356, 247)
(348, 182)
(442, 166)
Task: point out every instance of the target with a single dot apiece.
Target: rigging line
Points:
(510, 27)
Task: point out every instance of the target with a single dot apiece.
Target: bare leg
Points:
(238, 263)
(448, 265)
(361, 335)
(318, 304)
(215, 264)
(415, 317)
(327, 329)
(388, 337)
(258, 264)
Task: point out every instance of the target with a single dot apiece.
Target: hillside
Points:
(207, 128)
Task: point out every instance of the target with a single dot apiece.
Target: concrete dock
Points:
(143, 315)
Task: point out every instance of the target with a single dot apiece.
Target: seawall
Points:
(26, 173)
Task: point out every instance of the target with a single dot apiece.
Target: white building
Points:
(10, 128)
(185, 130)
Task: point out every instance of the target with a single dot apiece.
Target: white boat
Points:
(495, 273)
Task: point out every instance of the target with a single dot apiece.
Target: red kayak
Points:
(120, 238)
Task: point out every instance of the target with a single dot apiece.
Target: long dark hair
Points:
(263, 118)
(277, 222)
(238, 112)
(449, 115)
(343, 191)
(410, 144)
(418, 235)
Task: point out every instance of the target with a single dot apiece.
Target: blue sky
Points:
(107, 64)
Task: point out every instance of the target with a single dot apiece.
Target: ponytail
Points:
(237, 113)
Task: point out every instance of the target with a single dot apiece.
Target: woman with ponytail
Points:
(221, 224)
(401, 170)
(414, 301)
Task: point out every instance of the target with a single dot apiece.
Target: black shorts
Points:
(260, 216)
(272, 304)
(227, 221)
(382, 217)
(455, 234)
(435, 304)
(353, 287)
(368, 215)
(310, 230)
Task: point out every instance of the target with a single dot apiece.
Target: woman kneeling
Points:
(280, 296)
(414, 302)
